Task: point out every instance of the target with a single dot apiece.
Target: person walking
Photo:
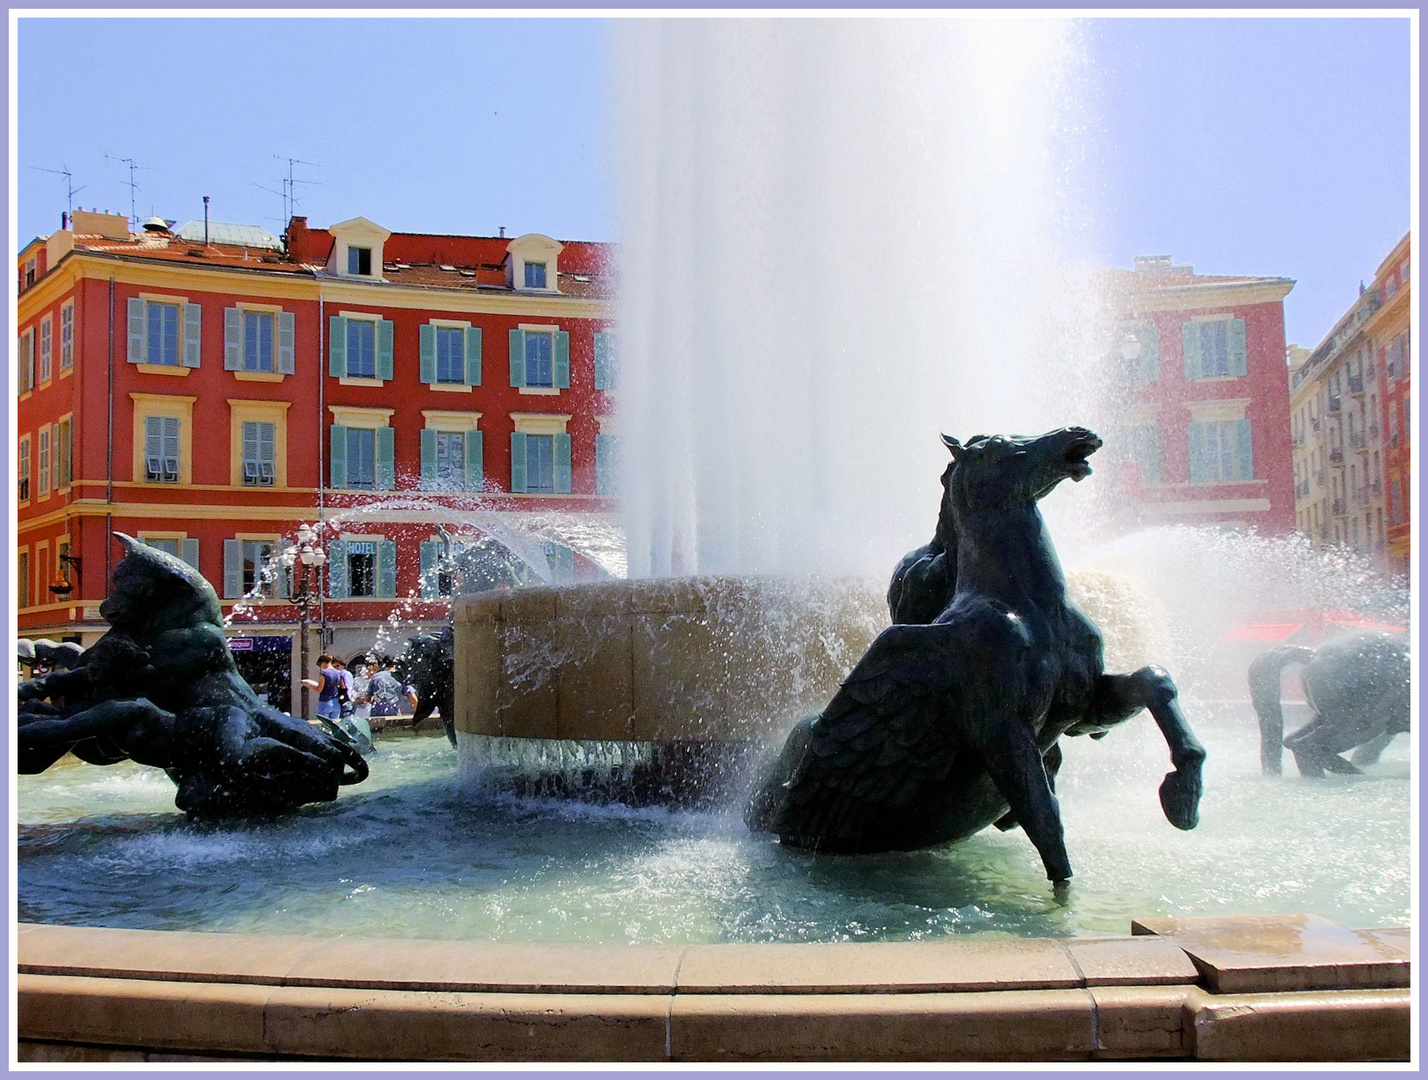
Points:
(326, 685)
(384, 693)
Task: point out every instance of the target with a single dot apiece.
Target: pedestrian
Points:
(326, 684)
(361, 683)
(384, 693)
(346, 691)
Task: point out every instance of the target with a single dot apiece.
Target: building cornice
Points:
(1196, 297)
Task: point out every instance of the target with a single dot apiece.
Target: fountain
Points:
(814, 285)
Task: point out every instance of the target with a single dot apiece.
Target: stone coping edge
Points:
(92, 994)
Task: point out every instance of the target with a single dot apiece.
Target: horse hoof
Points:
(1180, 799)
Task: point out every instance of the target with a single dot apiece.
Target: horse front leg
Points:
(1016, 767)
(1119, 697)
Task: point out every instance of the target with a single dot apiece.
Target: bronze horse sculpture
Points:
(944, 728)
(1358, 687)
(427, 664)
(161, 688)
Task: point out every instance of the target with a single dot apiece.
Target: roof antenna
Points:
(70, 190)
(205, 221)
(133, 184)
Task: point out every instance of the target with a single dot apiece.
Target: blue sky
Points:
(1262, 146)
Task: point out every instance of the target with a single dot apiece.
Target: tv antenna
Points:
(133, 184)
(70, 190)
(289, 184)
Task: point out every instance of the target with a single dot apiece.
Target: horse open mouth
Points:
(1076, 454)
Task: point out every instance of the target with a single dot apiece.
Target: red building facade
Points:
(1204, 434)
(211, 396)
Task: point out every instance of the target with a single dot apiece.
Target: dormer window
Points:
(532, 263)
(535, 275)
(357, 249)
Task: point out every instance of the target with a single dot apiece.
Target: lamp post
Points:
(304, 559)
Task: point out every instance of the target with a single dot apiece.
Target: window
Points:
(1214, 348)
(44, 463)
(451, 459)
(250, 568)
(162, 346)
(178, 547)
(30, 273)
(64, 453)
(361, 459)
(67, 336)
(361, 568)
(257, 556)
(535, 275)
(259, 441)
(450, 354)
(539, 357)
(46, 348)
(1220, 451)
(362, 449)
(540, 454)
(22, 579)
(359, 261)
(27, 361)
(23, 461)
(257, 341)
(359, 348)
(164, 333)
(161, 449)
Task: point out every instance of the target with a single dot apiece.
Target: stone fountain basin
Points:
(1247, 988)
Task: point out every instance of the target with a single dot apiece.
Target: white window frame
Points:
(66, 363)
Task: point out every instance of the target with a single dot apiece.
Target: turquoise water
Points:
(409, 853)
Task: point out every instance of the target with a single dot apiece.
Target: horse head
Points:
(154, 591)
(1005, 471)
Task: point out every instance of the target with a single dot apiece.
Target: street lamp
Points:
(1130, 347)
(304, 559)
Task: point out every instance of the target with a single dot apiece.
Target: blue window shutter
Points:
(430, 551)
(189, 552)
(426, 338)
(232, 569)
(1238, 359)
(428, 457)
(475, 462)
(1244, 451)
(602, 362)
(337, 568)
(518, 358)
(192, 334)
(562, 464)
(604, 464)
(339, 456)
(232, 339)
(337, 347)
(386, 568)
(562, 359)
(137, 330)
(1199, 467)
(384, 349)
(1190, 338)
(473, 356)
(518, 461)
(287, 343)
(386, 459)
(1148, 334)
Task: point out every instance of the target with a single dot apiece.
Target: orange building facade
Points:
(210, 394)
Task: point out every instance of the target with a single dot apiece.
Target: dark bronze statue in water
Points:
(947, 727)
(1359, 688)
(161, 688)
(427, 664)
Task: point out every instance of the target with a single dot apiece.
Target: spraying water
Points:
(839, 236)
